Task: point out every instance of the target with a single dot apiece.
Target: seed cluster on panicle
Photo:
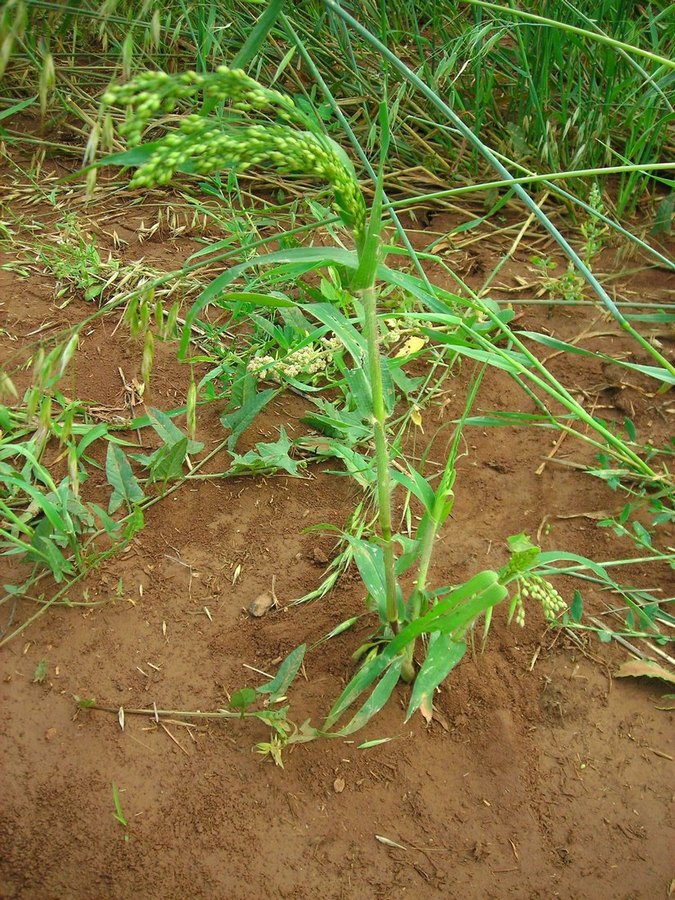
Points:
(151, 94)
(204, 144)
(534, 587)
(537, 588)
(310, 360)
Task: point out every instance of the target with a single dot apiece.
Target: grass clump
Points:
(559, 86)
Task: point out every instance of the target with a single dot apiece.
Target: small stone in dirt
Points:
(318, 557)
(479, 851)
(262, 604)
(51, 733)
(339, 785)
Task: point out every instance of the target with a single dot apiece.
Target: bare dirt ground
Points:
(540, 776)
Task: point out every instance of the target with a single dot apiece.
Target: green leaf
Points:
(40, 672)
(551, 556)
(450, 615)
(239, 420)
(318, 257)
(167, 462)
(274, 300)
(500, 419)
(49, 510)
(340, 629)
(366, 675)
(17, 107)
(369, 561)
(443, 654)
(457, 621)
(169, 432)
(288, 669)
(508, 360)
(359, 467)
(119, 814)
(258, 35)
(577, 607)
(267, 456)
(655, 372)
(133, 523)
(84, 702)
(110, 526)
(45, 549)
(135, 156)
(642, 534)
(420, 290)
(665, 211)
(350, 336)
(126, 488)
(630, 429)
(12, 450)
(366, 745)
(410, 554)
(242, 699)
(381, 693)
(359, 398)
(98, 431)
(338, 423)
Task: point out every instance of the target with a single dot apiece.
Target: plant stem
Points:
(368, 297)
(186, 714)
(415, 608)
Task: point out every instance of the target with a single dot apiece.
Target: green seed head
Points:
(204, 145)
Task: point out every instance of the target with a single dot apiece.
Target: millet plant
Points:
(287, 140)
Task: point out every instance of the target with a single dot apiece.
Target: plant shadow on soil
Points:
(539, 776)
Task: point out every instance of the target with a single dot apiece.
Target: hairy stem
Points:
(368, 297)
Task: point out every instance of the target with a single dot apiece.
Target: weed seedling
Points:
(40, 672)
(119, 813)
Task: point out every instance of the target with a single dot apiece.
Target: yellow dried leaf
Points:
(636, 668)
(416, 417)
(412, 345)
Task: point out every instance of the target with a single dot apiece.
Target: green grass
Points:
(575, 86)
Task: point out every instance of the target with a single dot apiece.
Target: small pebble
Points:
(262, 604)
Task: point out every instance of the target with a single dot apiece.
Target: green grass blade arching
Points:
(491, 158)
(600, 37)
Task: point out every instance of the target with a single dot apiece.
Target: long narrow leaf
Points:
(338, 322)
(381, 693)
(317, 256)
(288, 669)
(241, 418)
(443, 654)
(556, 344)
(45, 506)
